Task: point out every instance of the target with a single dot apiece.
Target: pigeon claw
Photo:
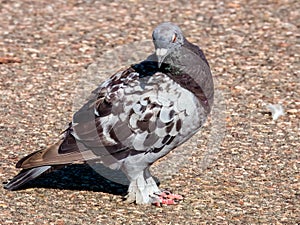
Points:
(167, 198)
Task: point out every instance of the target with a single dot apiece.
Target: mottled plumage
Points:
(135, 117)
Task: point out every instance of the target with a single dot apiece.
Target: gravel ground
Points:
(253, 49)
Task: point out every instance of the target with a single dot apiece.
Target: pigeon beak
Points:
(161, 54)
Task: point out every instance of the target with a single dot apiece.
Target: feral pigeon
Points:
(136, 117)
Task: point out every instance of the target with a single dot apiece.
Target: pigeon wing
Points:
(133, 112)
(130, 113)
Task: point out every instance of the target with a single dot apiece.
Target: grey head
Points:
(166, 38)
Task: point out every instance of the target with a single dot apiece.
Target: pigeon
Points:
(135, 117)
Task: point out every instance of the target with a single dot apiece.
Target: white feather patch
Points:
(164, 115)
(133, 121)
(160, 132)
(187, 102)
(137, 108)
(276, 110)
(138, 142)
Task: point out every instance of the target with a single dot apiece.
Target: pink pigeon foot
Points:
(167, 198)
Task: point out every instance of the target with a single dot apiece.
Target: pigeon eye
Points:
(174, 38)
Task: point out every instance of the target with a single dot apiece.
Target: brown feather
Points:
(51, 156)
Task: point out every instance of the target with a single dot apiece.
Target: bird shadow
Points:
(83, 177)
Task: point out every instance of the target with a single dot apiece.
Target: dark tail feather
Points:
(25, 176)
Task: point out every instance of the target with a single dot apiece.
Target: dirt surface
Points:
(253, 49)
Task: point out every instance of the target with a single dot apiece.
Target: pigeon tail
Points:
(25, 176)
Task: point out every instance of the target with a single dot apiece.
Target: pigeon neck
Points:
(195, 49)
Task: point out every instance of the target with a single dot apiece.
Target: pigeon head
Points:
(166, 38)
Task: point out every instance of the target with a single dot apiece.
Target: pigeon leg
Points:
(142, 188)
(167, 198)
